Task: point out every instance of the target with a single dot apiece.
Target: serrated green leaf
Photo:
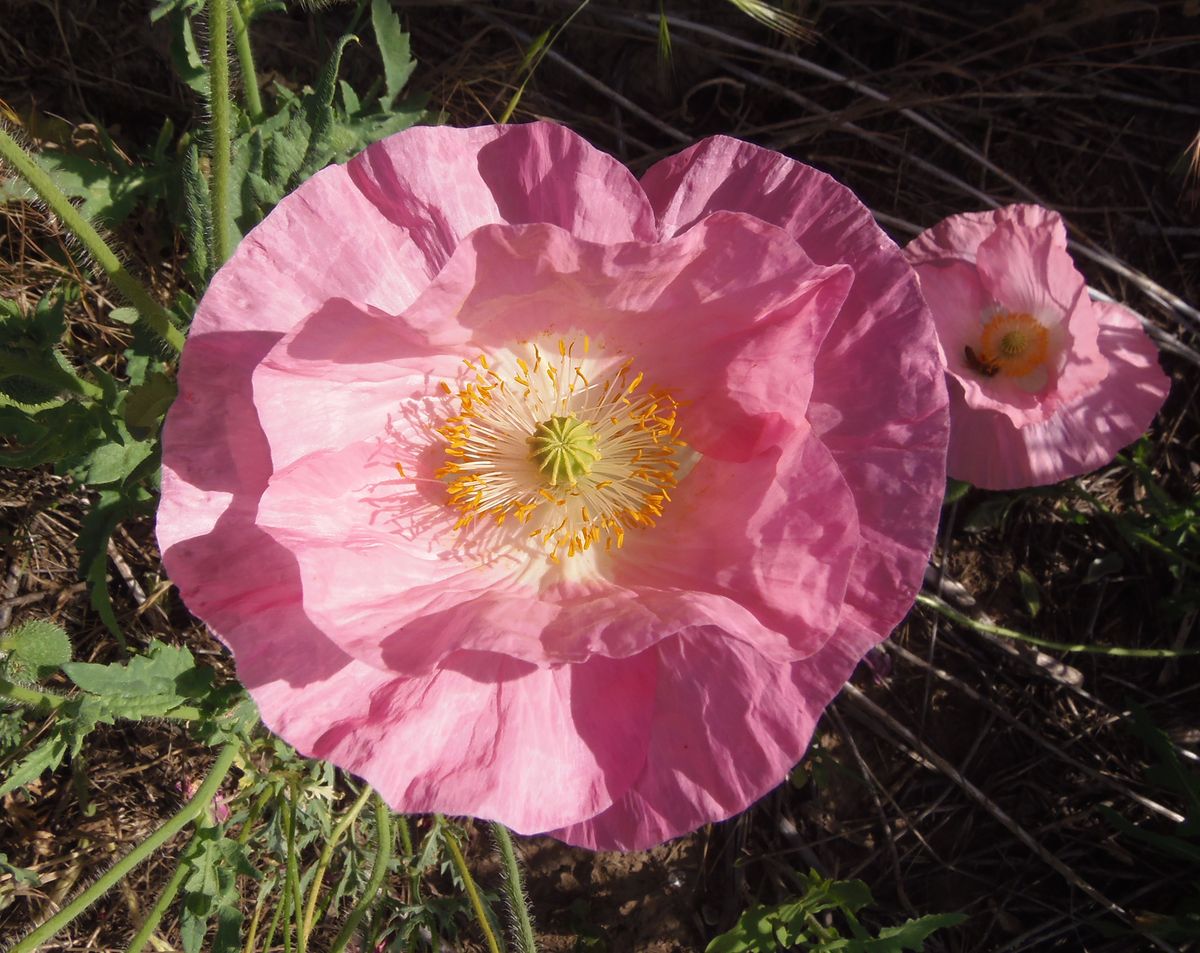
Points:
(393, 43)
(350, 101)
(46, 757)
(185, 55)
(911, 935)
(105, 194)
(319, 109)
(113, 462)
(151, 684)
(146, 403)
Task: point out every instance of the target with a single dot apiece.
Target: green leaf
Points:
(398, 63)
(105, 194)
(151, 684)
(146, 403)
(212, 863)
(19, 874)
(197, 220)
(1030, 592)
(112, 462)
(319, 110)
(911, 935)
(185, 55)
(40, 645)
(46, 757)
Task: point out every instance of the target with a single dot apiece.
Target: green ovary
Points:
(564, 449)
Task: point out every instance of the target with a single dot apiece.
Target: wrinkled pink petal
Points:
(878, 402)
(991, 453)
(758, 715)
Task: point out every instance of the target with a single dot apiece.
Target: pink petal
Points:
(488, 736)
(986, 449)
(1027, 271)
(438, 183)
(878, 401)
(957, 237)
(788, 533)
(728, 725)
(739, 293)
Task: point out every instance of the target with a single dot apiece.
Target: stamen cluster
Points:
(576, 457)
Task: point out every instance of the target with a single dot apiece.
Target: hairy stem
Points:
(954, 615)
(154, 917)
(204, 795)
(153, 313)
(218, 85)
(30, 697)
(514, 886)
(323, 862)
(383, 827)
(460, 864)
(241, 42)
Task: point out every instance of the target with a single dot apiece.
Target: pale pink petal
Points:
(726, 318)
(341, 373)
(878, 401)
(957, 237)
(438, 183)
(490, 736)
(375, 232)
(728, 725)
(775, 537)
(385, 577)
(1027, 272)
(988, 451)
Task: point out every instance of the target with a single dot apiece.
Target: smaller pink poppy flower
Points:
(1046, 383)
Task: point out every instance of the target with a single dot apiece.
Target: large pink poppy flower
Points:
(527, 491)
(1045, 382)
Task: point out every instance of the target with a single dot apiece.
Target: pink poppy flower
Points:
(527, 491)
(1046, 383)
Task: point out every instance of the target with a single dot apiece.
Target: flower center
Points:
(1012, 344)
(575, 449)
(564, 448)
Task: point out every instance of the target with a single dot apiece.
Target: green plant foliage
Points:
(35, 649)
(45, 757)
(310, 130)
(213, 863)
(156, 683)
(795, 925)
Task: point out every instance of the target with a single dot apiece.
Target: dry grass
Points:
(963, 772)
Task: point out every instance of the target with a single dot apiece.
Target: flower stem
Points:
(989, 628)
(30, 697)
(154, 917)
(241, 42)
(204, 795)
(153, 313)
(514, 885)
(383, 827)
(460, 864)
(218, 85)
(323, 862)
